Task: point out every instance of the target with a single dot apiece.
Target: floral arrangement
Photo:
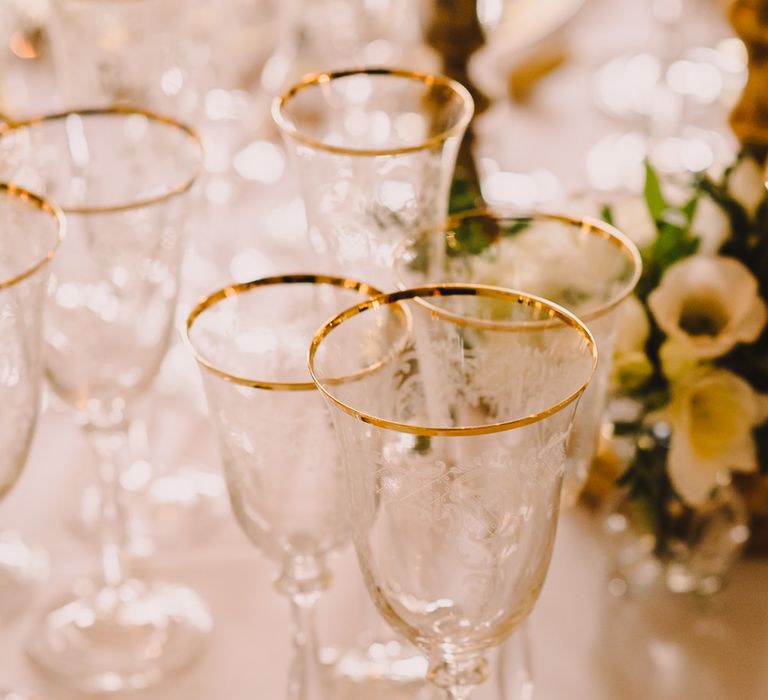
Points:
(692, 350)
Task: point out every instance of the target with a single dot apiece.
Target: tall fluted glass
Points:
(454, 444)
(123, 178)
(275, 436)
(585, 265)
(374, 151)
(30, 231)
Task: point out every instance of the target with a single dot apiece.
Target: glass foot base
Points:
(387, 670)
(22, 569)
(127, 638)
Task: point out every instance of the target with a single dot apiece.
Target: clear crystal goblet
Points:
(144, 52)
(374, 151)
(279, 455)
(30, 232)
(123, 178)
(585, 265)
(454, 449)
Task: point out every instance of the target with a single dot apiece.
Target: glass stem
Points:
(303, 580)
(304, 682)
(515, 674)
(109, 440)
(459, 677)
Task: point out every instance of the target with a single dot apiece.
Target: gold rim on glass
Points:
(241, 288)
(315, 79)
(554, 311)
(586, 224)
(117, 110)
(42, 205)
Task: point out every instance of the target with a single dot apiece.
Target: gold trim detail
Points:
(117, 110)
(439, 290)
(243, 287)
(42, 205)
(584, 223)
(314, 79)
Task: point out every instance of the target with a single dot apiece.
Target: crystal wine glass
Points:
(123, 178)
(30, 231)
(454, 449)
(374, 151)
(146, 52)
(583, 264)
(279, 455)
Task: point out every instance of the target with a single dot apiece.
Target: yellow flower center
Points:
(703, 315)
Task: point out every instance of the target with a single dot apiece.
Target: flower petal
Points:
(691, 477)
(753, 321)
(711, 224)
(632, 218)
(746, 184)
(633, 326)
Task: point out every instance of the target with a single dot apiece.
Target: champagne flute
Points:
(279, 456)
(454, 452)
(375, 151)
(123, 178)
(30, 232)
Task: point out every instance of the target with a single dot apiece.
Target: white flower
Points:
(746, 184)
(676, 360)
(712, 414)
(633, 326)
(632, 218)
(707, 304)
(711, 224)
(631, 369)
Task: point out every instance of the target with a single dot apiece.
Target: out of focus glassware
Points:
(235, 57)
(121, 52)
(30, 232)
(585, 265)
(335, 34)
(374, 151)
(275, 436)
(124, 179)
(454, 446)
(670, 95)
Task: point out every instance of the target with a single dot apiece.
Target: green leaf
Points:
(689, 208)
(464, 194)
(606, 214)
(654, 197)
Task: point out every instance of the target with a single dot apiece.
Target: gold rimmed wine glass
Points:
(123, 178)
(275, 437)
(30, 233)
(586, 265)
(374, 150)
(454, 452)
